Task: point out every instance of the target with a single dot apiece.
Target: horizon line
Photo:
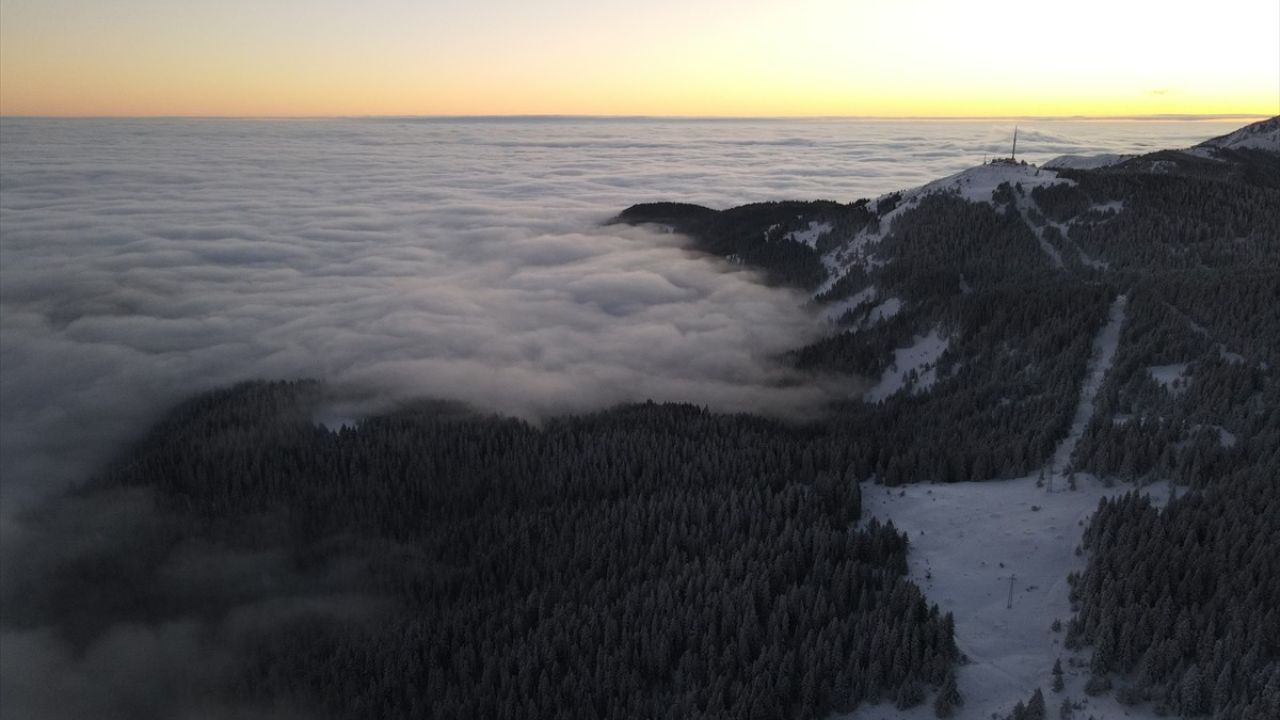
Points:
(1186, 117)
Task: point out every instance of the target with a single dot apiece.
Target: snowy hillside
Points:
(1263, 135)
(997, 555)
(969, 543)
(978, 184)
(1086, 162)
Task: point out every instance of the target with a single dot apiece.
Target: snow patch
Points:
(1113, 206)
(1226, 438)
(885, 310)
(978, 184)
(1169, 376)
(836, 310)
(835, 271)
(1231, 357)
(920, 358)
(1202, 152)
(854, 252)
(1086, 162)
(810, 235)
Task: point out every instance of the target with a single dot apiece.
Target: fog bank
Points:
(143, 260)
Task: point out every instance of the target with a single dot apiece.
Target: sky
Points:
(659, 57)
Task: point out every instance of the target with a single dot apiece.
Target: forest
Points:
(1179, 602)
(648, 561)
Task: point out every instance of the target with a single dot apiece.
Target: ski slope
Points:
(968, 541)
(997, 555)
(1104, 354)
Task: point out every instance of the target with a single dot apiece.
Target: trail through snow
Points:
(972, 543)
(1104, 354)
(1024, 204)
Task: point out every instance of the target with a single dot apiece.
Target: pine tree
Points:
(1191, 692)
(1035, 707)
(1222, 689)
(948, 696)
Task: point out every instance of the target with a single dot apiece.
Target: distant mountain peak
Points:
(1262, 135)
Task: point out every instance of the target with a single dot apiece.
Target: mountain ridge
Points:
(950, 259)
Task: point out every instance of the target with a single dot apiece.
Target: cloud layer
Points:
(144, 260)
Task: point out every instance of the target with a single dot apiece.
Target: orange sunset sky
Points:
(660, 57)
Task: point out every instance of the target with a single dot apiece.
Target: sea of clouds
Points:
(143, 260)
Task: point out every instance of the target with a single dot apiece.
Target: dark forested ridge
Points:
(650, 561)
(1018, 284)
(758, 234)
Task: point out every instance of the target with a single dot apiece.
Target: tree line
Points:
(649, 561)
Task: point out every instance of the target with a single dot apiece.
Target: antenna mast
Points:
(1014, 155)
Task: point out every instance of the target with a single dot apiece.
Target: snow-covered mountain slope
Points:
(1086, 162)
(1264, 135)
(997, 555)
(978, 184)
(1075, 208)
(971, 541)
